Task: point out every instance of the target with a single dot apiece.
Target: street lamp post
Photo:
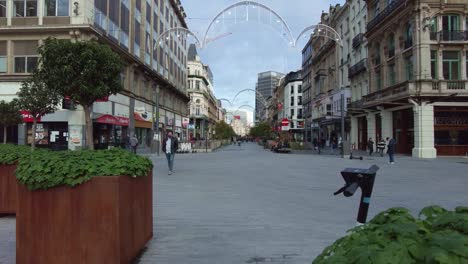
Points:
(155, 121)
(342, 124)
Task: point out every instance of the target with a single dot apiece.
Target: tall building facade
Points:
(418, 92)
(293, 108)
(264, 88)
(204, 110)
(131, 29)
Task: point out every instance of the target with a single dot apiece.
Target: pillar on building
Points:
(387, 123)
(370, 126)
(354, 131)
(424, 131)
(463, 65)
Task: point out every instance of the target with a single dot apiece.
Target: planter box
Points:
(105, 220)
(8, 189)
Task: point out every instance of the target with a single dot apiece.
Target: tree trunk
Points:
(89, 128)
(33, 144)
(4, 134)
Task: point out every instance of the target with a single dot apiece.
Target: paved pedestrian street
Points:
(248, 205)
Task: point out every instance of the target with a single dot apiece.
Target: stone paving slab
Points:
(247, 205)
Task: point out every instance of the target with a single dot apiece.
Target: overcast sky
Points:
(250, 47)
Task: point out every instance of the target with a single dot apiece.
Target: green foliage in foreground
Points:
(395, 236)
(9, 154)
(45, 169)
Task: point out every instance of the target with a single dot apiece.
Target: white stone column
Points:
(424, 132)
(440, 68)
(354, 131)
(387, 123)
(370, 126)
(463, 65)
(40, 11)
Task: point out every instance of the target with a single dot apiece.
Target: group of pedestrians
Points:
(389, 143)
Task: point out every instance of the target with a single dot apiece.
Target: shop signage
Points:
(451, 121)
(191, 126)
(185, 122)
(170, 122)
(113, 120)
(178, 123)
(27, 117)
(142, 115)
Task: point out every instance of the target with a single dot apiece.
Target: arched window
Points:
(197, 101)
(391, 45)
(408, 36)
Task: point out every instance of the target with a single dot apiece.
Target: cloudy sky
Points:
(247, 48)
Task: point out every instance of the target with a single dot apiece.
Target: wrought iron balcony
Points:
(387, 94)
(394, 5)
(358, 40)
(453, 35)
(357, 68)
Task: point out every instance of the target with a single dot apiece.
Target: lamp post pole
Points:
(342, 123)
(156, 128)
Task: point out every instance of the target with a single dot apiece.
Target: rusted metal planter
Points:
(8, 189)
(105, 220)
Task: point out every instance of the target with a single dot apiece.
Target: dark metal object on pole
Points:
(363, 178)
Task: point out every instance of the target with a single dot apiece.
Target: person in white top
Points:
(170, 146)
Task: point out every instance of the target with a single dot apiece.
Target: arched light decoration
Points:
(262, 99)
(249, 106)
(178, 32)
(245, 11)
(226, 100)
(321, 30)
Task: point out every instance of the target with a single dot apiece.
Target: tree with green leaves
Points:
(223, 130)
(84, 71)
(261, 130)
(35, 97)
(9, 116)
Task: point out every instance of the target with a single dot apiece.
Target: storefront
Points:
(110, 130)
(362, 133)
(403, 130)
(451, 130)
(143, 127)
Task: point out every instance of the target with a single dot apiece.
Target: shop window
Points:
(3, 57)
(451, 65)
(25, 56)
(434, 65)
(25, 8)
(57, 7)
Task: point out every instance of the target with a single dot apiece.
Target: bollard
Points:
(359, 178)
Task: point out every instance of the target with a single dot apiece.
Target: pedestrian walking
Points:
(170, 146)
(370, 146)
(381, 147)
(391, 150)
(134, 143)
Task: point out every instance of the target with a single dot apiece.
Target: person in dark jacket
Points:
(370, 146)
(391, 150)
(170, 146)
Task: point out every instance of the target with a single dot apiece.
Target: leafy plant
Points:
(395, 236)
(9, 154)
(40, 170)
(261, 130)
(9, 116)
(84, 71)
(223, 130)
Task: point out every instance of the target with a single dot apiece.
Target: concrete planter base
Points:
(105, 220)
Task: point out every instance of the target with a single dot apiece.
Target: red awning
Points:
(113, 120)
(27, 117)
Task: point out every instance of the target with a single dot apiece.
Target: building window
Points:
(3, 57)
(197, 85)
(409, 68)
(299, 100)
(434, 66)
(391, 75)
(292, 100)
(451, 65)
(408, 36)
(57, 7)
(25, 8)
(2, 8)
(378, 80)
(292, 89)
(450, 22)
(391, 45)
(292, 113)
(25, 56)
(377, 54)
(124, 22)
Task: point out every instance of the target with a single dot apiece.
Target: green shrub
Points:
(395, 236)
(47, 169)
(10, 154)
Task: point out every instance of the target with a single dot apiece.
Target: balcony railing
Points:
(456, 85)
(358, 40)
(357, 68)
(384, 14)
(448, 87)
(453, 35)
(433, 35)
(387, 93)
